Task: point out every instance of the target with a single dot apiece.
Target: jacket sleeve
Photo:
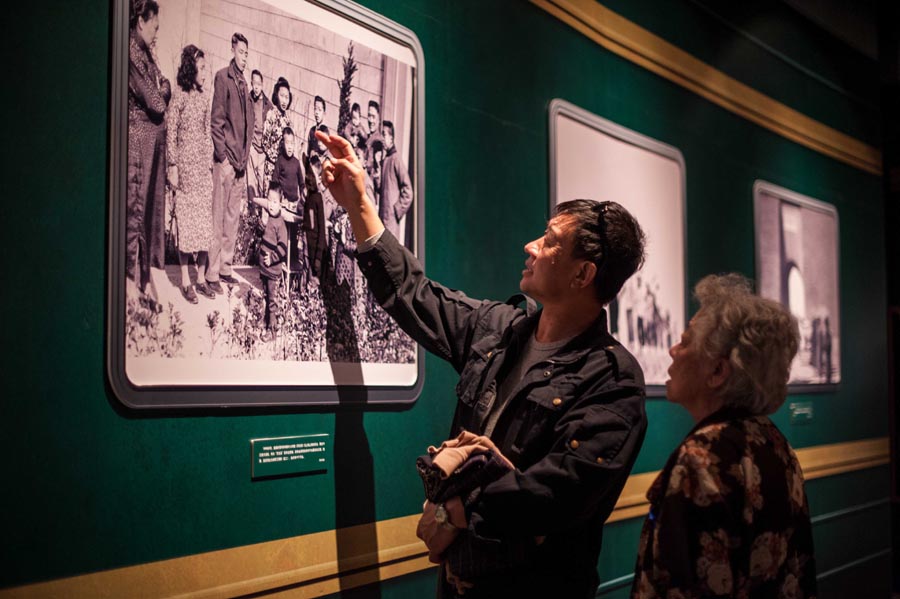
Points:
(593, 449)
(405, 186)
(173, 119)
(218, 116)
(441, 319)
(281, 235)
(140, 84)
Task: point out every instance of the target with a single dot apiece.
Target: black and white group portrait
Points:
(647, 178)
(239, 265)
(797, 265)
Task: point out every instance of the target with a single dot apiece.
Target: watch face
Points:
(440, 514)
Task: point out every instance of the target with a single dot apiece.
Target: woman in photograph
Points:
(148, 96)
(276, 122)
(190, 169)
(728, 513)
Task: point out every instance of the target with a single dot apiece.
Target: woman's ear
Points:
(720, 374)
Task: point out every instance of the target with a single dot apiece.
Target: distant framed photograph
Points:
(231, 272)
(647, 177)
(797, 265)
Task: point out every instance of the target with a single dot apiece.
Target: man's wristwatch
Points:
(442, 517)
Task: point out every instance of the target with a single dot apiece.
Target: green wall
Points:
(93, 486)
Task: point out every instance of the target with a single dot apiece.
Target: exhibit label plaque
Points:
(290, 455)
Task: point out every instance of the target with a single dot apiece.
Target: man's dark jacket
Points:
(573, 428)
(231, 118)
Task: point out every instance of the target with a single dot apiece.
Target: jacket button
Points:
(557, 401)
(490, 353)
(574, 443)
(600, 460)
(547, 373)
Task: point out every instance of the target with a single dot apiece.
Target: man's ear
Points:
(585, 275)
(720, 374)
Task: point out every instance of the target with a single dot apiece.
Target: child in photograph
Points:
(355, 136)
(257, 160)
(190, 147)
(320, 150)
(288, 171)
(314, 217)
(319, 114)
(273, 248)
(289, 174)
(276, 122)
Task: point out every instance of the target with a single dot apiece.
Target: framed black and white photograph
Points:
(797, 265)
(232, 277)
(647, 177)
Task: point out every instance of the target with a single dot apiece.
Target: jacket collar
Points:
(723, 414)
(235, 74)
(581, 344)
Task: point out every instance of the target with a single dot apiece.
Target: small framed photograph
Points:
(594, 158)
(797, 266)
(232, 277)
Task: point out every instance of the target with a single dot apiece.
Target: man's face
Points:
(373, 119)
(256, 84)
(388, 138)
(289, 145)
(240, 55)
(550, 267)
(319, 112)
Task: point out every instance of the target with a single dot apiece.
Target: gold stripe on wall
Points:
(312, 565)
(622, 37)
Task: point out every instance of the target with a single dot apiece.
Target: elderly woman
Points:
(728, 513)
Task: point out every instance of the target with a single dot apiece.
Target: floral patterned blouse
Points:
(728, 517)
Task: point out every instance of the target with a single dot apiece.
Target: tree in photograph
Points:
(345, 85)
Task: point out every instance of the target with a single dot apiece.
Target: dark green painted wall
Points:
(92, 486)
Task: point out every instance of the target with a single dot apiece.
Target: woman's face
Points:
(201, 72)
(689, 371)
(284, 97)
(147, 29)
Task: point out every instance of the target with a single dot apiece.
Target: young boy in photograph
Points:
(314, 217)
(319, 114)
(273, 248)
(288, 171)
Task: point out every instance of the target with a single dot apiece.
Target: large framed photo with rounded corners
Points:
(797, 265)
(594, 158)
(232, 277)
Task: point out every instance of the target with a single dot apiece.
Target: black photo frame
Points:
(166, 352)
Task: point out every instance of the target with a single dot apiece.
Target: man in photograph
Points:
(231, 124)
(396, 188)
(373, 119)
(553, 391)
(261, 107)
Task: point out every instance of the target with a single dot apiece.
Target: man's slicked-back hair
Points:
(610, 237)
(239, 37)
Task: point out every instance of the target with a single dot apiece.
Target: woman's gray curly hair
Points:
(759, 337)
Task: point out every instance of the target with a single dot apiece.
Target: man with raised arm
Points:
(558, 396)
